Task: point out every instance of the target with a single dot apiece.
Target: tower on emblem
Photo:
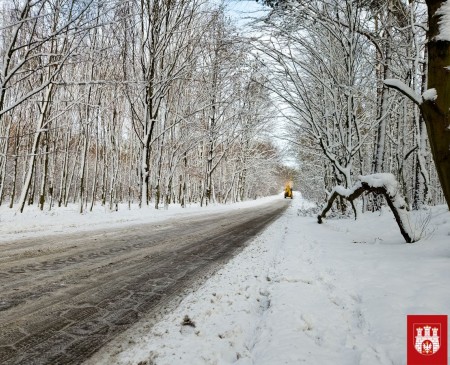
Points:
(427, 339)
(427, 343)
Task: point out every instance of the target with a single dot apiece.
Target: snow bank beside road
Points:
(306, 293)
(33, 222)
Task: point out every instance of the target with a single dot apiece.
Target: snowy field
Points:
(303, 293)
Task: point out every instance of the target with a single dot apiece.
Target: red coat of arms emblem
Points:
(427, 340)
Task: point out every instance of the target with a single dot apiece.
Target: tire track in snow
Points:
(68, 295)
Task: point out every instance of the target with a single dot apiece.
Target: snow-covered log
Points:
(386, 185)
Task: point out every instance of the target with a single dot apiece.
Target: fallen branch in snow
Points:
(384, 184)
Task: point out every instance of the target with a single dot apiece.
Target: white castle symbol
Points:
(426, 343)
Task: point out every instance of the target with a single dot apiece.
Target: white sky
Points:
(243, 11)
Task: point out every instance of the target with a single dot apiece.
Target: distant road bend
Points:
(63, 297)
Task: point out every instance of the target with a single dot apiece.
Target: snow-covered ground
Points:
(34, 222)
(303, 293)
(336, 293)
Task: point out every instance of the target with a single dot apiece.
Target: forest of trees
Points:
(166, 101)
(335, 67)
(149, 102)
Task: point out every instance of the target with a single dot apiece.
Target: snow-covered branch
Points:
(384, 184)
(405, 90)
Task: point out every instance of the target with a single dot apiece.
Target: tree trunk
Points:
(72, 173)
(83, 168)
(145, 168)
(4, 161)
(34, 148)
(64, 172)
(436, 112)
(15, 163)
(95, 177)
(44, 173)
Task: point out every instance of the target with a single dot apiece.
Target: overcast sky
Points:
(242, 10)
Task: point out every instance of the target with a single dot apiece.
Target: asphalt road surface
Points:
(63, 297)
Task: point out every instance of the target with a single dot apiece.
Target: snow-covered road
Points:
(63, 296)
(304, 293)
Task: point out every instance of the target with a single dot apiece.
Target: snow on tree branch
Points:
(386, 185)
(430, 95)
(404, 89)
(444, 22)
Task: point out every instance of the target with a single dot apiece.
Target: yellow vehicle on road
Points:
(288, 190)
